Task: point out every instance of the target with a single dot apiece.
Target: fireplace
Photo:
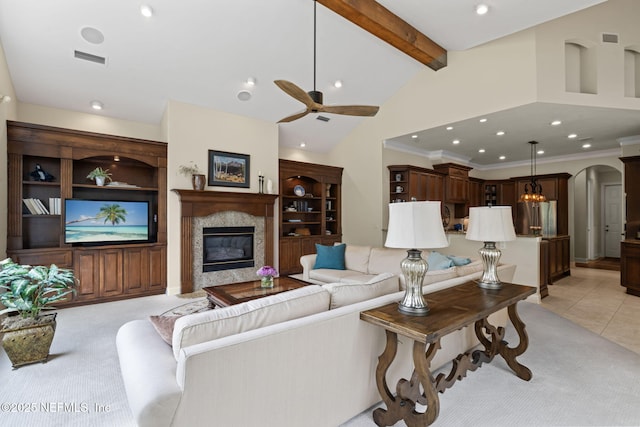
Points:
(227, 248)
(200, 209)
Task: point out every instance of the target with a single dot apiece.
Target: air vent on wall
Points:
(89, 57)
(609, 38)
(323, 118)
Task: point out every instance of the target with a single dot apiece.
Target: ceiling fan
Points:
(313, 99)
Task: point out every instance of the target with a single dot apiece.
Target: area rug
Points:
(197, 306)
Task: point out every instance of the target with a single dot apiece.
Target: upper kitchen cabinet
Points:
(456, 182)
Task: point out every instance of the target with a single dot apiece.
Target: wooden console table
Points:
(450, 310)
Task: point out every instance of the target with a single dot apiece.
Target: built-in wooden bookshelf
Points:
(106, 271)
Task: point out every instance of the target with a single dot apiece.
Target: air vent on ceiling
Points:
(609, 38)
(89, 57)
(323, 118)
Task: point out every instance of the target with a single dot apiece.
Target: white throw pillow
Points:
(350, 293)
(213, 324)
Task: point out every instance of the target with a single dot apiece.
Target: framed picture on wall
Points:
(229, 169)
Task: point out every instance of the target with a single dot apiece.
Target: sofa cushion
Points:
(473, 267)
(326, 275)
(437, 261)
(213, 324)
(434, 276)
(356, 258)
(330, 257)
(383, 260)
(350, 293)
(358, 278)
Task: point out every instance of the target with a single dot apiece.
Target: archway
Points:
(598, 201)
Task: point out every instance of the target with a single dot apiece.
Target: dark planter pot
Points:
(198, 181)
(29, 344)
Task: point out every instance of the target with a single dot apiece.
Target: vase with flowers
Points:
(267, 273)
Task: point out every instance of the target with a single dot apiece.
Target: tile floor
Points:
(595, 300)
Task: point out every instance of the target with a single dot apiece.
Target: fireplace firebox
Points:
(227, 248)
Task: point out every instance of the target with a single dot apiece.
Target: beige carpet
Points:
(579, 378)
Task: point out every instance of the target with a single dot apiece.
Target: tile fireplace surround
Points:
(205, 208)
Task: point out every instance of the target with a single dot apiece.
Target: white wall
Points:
(191, 132)
(491, 77)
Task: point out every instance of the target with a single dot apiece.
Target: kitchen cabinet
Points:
(412, 183)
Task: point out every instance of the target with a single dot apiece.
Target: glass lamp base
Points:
(490, 256)
(413, 268)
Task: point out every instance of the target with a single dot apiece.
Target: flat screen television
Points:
(105, 222)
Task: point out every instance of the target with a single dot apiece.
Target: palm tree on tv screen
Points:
(115, 214)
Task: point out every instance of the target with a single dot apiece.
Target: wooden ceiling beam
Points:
(382, 23)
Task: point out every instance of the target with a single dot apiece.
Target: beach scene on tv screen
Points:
(105, 221)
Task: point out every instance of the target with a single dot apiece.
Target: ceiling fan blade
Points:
(295, 92)
(351, 110)
(294, 116)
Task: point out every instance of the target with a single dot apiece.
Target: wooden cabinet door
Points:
(157, 268)
(290, 256)
(112, 283)
(435, 187)
(86, 265)
(457, 188)
(136, 269)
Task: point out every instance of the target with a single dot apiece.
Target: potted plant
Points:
(27, 291)
(100, 176)
(197, 177)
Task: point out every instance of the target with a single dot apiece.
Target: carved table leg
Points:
(402, 407)
(509, 354)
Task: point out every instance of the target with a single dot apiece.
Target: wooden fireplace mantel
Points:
(194, 203)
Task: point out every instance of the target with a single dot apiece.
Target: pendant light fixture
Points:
(536, 189)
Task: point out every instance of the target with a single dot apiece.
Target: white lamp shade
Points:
(414, 225)
(491, 224)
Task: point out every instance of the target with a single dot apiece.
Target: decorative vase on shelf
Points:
(100, 181)
(198, 181)
(266, 282)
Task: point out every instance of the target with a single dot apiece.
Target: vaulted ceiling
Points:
(203, 52)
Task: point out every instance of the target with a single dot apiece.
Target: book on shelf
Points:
(35, 206)
(54, 205)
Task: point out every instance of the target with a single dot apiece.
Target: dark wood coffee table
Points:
(450, 310)
(236, 293)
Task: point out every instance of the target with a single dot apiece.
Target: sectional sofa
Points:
(293, 359)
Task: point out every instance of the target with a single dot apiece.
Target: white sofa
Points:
(313, 370)
(362, 263)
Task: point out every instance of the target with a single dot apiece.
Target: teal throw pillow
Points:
(331, 257)
(437, 261)
(458, 260)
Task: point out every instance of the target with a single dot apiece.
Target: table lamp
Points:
(415, 225)
(490, 224)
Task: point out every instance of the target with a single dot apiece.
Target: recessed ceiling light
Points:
(251, 81)
(500, 133)
(244, 95)
(449, 127)
(481, 9)
(337, 84)
(482, 150)
(302, 145)
(586, 145)
(97, 105)
(572, 135)
(540, 151)
(483, 120)
(502, 157)
(414, 136)
(556, 123)
(146, 11)
(456, 141)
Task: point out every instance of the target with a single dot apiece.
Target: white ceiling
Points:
(201, 52)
